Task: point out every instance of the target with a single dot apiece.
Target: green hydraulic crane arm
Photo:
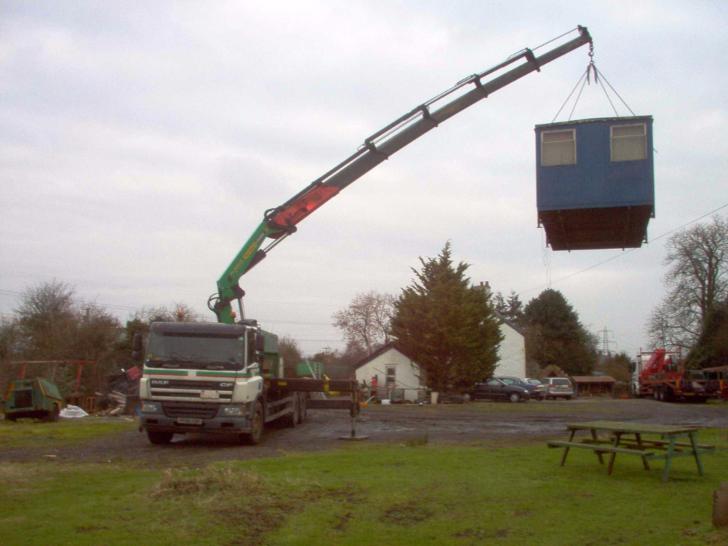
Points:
(280, 222)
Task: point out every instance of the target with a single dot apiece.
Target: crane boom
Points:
(281, 221)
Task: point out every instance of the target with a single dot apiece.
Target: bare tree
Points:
(696, 280)
(290, 352)
(52, 325)
(180, 312)
(184, 313)
(46, 321)
(366, 321)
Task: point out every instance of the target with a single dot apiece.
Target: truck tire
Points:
(293, 418)
(159, 437)
(256, 428)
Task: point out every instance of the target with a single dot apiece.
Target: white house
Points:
(388, 369)
(511, 352)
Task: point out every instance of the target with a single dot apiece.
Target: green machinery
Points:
(36, 398)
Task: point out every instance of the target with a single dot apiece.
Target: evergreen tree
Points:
(510, 309)
(447, 325)
(554, 335)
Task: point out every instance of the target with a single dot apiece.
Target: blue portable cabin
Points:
(595, 182)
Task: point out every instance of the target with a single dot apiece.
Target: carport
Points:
(593, 385)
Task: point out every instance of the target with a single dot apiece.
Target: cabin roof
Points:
(573, 122)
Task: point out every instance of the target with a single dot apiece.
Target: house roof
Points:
(593, 379)
(508, 323)
(383, 349)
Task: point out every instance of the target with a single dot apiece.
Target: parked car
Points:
(496, 389)
(535, 390)
(558, 387)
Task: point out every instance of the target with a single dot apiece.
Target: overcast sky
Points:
(140, 143)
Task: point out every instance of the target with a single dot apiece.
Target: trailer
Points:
(36, 398)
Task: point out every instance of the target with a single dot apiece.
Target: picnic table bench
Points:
(629, 439)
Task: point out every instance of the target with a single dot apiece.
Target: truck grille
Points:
(189, 409)
(180, 388)
(186, 384)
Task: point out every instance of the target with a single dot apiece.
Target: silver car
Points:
(558, 387)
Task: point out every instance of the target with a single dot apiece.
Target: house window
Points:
(629, 142)
(558, 147)
(391, 376)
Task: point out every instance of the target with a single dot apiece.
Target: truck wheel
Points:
(256, 431)
(158, 437)
(293, 418)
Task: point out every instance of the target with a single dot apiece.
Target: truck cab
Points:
(207, 378)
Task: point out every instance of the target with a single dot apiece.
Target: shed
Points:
(587, 385)
(595, 182)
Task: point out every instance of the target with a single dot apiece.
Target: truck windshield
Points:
(195, 351)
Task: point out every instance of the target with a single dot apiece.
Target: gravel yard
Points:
(479, 422)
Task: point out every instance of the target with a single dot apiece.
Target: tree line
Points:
(52, 324)
(441, 319)
(449, 326)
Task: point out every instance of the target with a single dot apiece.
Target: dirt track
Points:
(468, 423)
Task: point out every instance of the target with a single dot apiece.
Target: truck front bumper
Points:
(169, 418)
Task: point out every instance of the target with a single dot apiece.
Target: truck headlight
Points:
(150, 407)
(233, 411)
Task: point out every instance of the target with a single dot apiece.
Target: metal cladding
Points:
(595, 182)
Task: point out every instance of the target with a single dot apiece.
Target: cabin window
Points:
(558, 147)
(629, 142)
(391, 376)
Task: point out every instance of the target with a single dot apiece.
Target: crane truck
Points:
(661, 374)
(227, 377)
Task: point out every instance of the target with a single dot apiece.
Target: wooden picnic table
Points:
(648, 441)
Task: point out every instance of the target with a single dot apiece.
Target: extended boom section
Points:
(281, 221)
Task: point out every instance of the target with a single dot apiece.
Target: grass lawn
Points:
(29, 433)
(367, 494)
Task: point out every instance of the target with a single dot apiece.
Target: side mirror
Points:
(136, 347)
(260, 343)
